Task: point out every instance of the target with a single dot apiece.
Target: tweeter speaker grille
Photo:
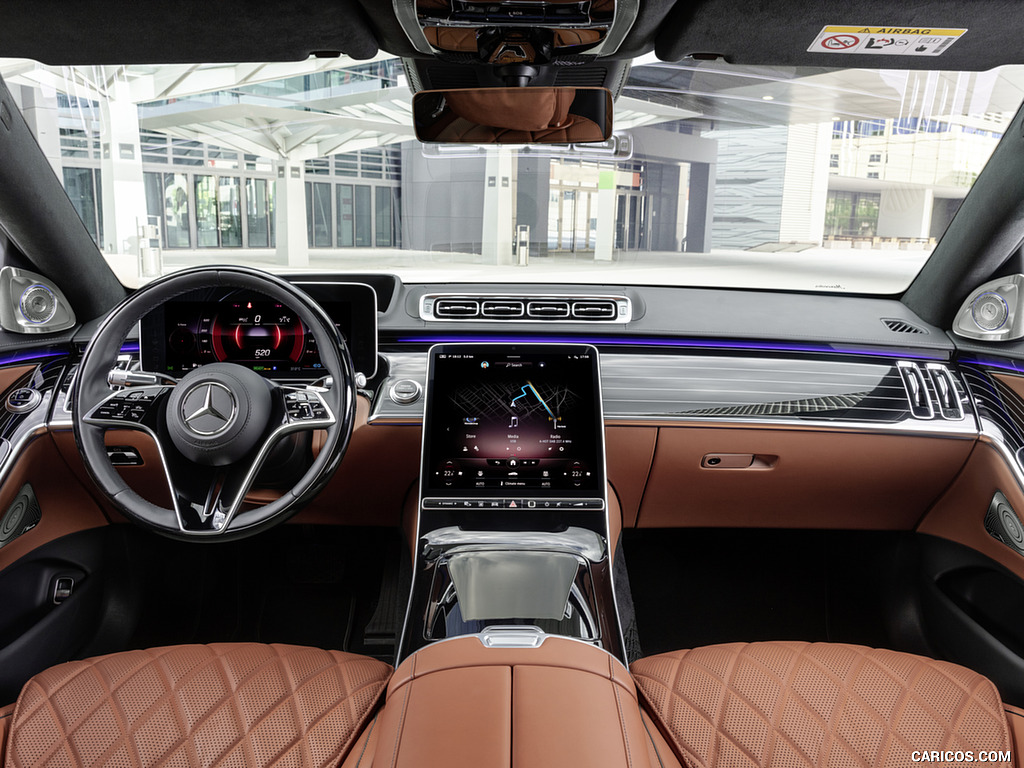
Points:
(989, 311)
(1002, 523)
(38, 304)
(21, 516)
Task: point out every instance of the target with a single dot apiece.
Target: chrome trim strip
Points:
(934, 428)
(574, 540)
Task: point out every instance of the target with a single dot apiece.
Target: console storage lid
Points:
(461, 703)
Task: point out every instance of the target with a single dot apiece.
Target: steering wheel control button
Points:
(126, 406)
(304, 406)
(218, 413)
(209, 408)
(405, 392)
(23, 400)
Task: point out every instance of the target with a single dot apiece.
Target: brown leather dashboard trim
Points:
(630, 451)
(9, 376)
(65, 504)
(960, 514)
(816, 480)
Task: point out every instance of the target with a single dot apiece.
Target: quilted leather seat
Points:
(811, 705)
(231, 704)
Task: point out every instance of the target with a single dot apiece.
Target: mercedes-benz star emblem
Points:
(209, 408)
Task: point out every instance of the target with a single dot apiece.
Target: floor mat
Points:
(301, 585)
(694, 587)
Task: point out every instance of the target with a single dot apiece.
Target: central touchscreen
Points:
(505, 421)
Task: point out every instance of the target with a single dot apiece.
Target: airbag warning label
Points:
(886, 41)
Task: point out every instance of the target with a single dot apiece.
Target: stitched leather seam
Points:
(366, 741)
(650, 737)
(618, 706)
(405, 708)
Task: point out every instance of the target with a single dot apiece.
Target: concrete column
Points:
(905, 212)
(700, 214)
(805, 183)
(604, 247)
(290, 214)
(39, 107)
(496, 240)
(124, 195)
(533, 182)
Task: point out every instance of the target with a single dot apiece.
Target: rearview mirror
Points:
(513, 115)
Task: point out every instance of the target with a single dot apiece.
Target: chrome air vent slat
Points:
(502, 309)
(548, 309)
(594, 310)
(456, 308)
(525, 308)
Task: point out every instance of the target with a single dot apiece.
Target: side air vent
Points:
(527, 309)
(457, 309)
(931, 391)
(502, 309)
(902, 326)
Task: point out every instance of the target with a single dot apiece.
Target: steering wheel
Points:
(216, 426)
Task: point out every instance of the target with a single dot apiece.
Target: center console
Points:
(512, 527)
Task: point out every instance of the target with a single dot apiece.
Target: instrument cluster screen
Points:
(254, 331)
(507, 420)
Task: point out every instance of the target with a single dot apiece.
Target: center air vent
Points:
(526, 308)
(456, 308)
(502, 309)
(548, 309)
(594, 310)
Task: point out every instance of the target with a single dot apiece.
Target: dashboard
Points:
(257, 332)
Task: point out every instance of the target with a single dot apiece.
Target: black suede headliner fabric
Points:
(779, 32)
(130, 32)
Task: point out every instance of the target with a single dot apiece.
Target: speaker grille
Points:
(989, 311)
(1003, 525)
(21, 516)
(38, 304)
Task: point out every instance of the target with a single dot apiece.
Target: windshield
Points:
(783, 178)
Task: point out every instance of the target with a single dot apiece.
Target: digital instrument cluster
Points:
(257, 332)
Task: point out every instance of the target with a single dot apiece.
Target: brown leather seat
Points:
(230, 704)
(821, 704)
